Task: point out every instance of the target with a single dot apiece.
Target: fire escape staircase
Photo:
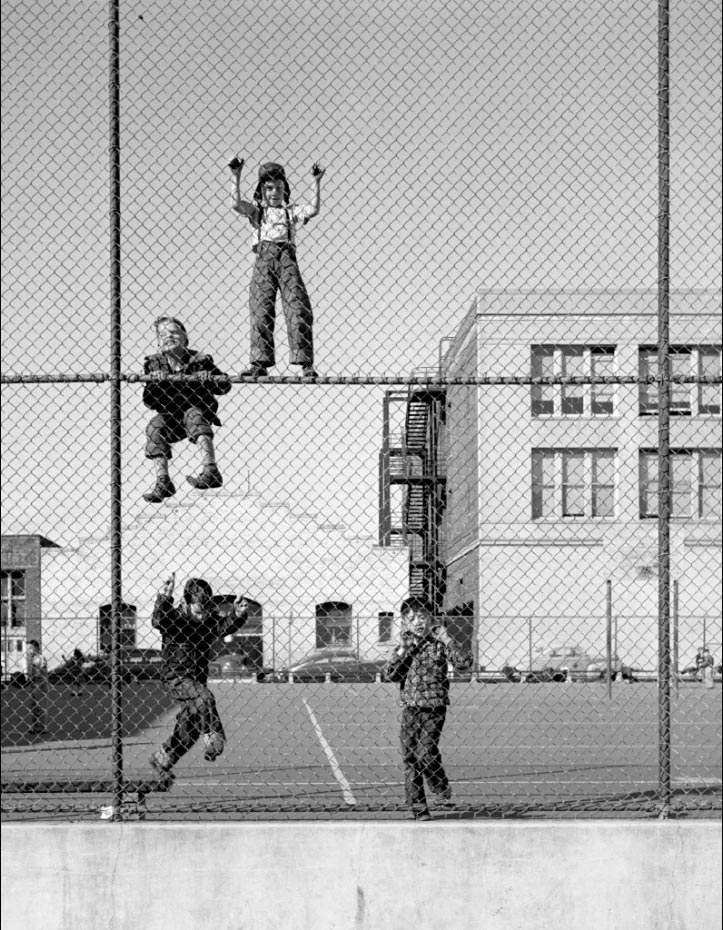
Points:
(415, 464)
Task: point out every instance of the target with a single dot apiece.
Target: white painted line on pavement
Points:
(335, 767)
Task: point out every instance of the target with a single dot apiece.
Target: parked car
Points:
(597, 669)
(235, 665)
(557, 659)
(338, 663)
(543, 675)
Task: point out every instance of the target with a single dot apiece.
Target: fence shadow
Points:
(81, 717)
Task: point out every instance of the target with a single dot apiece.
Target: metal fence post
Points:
(115, 407)
(664, 373)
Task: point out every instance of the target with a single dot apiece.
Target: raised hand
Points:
(317, 172)
(236, 165)
(168, 586)
(240, 607)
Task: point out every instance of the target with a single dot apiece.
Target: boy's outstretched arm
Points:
(163, 608)
(317, 173)
(241, 206)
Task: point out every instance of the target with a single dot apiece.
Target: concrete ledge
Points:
(600, 875)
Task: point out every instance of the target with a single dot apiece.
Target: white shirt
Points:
(279, 224)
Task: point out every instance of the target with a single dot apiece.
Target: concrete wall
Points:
(362, 876)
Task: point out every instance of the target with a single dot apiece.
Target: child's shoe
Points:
(308, 372)
(161, 763)
(442, 801)
(213, 744)
(254, 371)
(422, 815)
(162, 489)
(210, 477)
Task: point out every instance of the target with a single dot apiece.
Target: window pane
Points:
(573, 468)
(573, 484)
(680, 393)
(680, 480)
(601, 366)
(386, 621)
(18, 584)
(542, 396)
(603, 477)
(573, 502)
(543, 484)
(648, 368)
(542, 400)
(603, 501)
(572, 366)
(603, 467)
(19, 613)
(709, 395)
(648, 484)
(710, 481)
(543, 361)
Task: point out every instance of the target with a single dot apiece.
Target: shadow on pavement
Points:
(84, 716)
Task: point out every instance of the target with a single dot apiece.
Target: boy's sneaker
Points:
(213, 745)
(441, 801)
(161, 763)
(254, 371)
(422, 815)
(308, 372)
(162, 489)
(210, 477)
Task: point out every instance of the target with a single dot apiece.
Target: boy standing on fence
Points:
(274, 220)
(419, 664)
(184, 409)
(189, 632)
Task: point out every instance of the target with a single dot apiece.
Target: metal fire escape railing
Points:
(413, 461)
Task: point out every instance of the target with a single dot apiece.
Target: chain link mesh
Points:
(461, 404)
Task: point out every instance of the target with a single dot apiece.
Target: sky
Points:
(467, 145)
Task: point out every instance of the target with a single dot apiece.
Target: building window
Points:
(572, 400)
(386, 624)
(333, 624)
(697, 400)
(695, 478)
(573, 483)
(12, 596)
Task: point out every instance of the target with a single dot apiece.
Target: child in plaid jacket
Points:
(420, 665)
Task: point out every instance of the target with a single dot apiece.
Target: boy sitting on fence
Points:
(184, 409)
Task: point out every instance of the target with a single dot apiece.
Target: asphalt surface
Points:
(332, 750)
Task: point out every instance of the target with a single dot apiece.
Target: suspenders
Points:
(261, 220)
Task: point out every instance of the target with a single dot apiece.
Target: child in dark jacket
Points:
(189, 632)
(184, 409)
(419, 664)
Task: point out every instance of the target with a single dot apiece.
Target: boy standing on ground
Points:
(419, 664)
(37, 679)
(184, 409)
(189, 632)
(274, 220)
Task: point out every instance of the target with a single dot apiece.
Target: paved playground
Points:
(332, 750)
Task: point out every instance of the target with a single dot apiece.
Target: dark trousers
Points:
(276, 270)
(420, 734)
(198, 715)
(162, 430)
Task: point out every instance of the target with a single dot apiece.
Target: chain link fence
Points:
(496, 389)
